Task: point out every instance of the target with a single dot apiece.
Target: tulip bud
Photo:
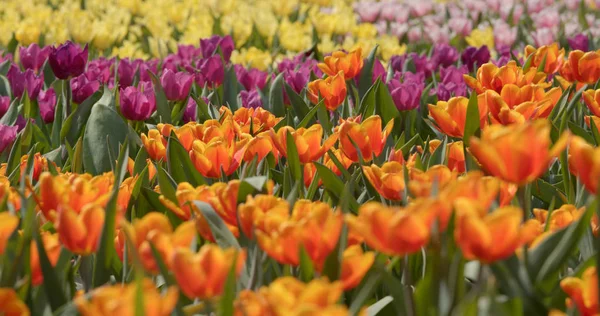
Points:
(4, 105)
(176, 85)
(33, 57)
(137, 105)
(8, 134)
(83, 88)
(68, 60)
(21, 81)
(47, 104)
(209, 46)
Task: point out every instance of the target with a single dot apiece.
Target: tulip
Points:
(559, 218)
(355, 265)
(251, 99)
(216, 157)
(80, 232)
(579, 42)
(476, 188)
(582, 67)
(456, 157)
(203, 274)
(24, 81)
(52, 249)
(592, 100)
(120, 299)
(185, 195)
(588, 121)
(4, 105)
(308, 142)
(223, 199)
(551, 55)
(83, 88)
(137, 105)
(126, 72)
(33, 57)
(582, 292)
(68, 60)
(395, 232)
(251, 79)
(367, 137)
(40, 164)
(421, 183)
(211, 72)
(255, 211)
(494, 237)
(101, 70)
(492, 77)
(8, 224)
(387, 180)
(499, 146)
(348, 63)
(210, 45)
(8, 134)
(518, 105)
(155, 145)
(444, 55)
(260, 119)
(332, 90)
(451, 116)
(475, 57)
(11, 304)
(584, 163)
(47, 104)
(259, 146)
(406, 95)
(176, 85)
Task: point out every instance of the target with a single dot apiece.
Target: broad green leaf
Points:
(223, 236)
(231, 88)
(180, 165)
(385, 105)
(309, 116)
(366, 74)
(300, 107)
(293, 159)
(162, 104)
(229, 291)
(10, 117)
(472, 119)
(73, 125)
(104, 132)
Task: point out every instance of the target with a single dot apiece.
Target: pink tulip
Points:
(461, 26)
(368, 11)
(543, 36)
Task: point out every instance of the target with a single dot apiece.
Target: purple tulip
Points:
(298, 79)
(126, 72)
(68, 60)
(21, 81)
(83, 88)
(475, 57)
(209, 46)
(190, 113)
(8, 134)
(420, 62)
(252, 78)
(47, 104)
(378, 71)
(137, 105)
(188, 52)
(4, 105)
(251, 99)
(33, 57)
(453, 74)
(444, 55)
(4, 56)
(579, 42)
(101, 70)
(176, 85)
(407, 94)
(211, 72)
(151, 65)
(171, 62)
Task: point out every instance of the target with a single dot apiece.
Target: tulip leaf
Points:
(292, 158)
(375, 308)
(309, 116)
(14, 157)
(324, 120)
(548, 256)
(11, 115)
(202, 111)
(104, 132)
(167, 187)
(306, 265)
(369, 284)
(547, 192)
(223, 236)
(250, 185)
(385, 105)
(439, 155)
(595, 132)
(231, 89)
(5, 86)
(275, 104)
(162, 104)
(229, 290)
(298, 104)
(366, 74)
(179, 164)
(334, 185)
(368, 100)
(560, 104)
(52, 286)
(106, 250)
(73, 125)
(579, 131)
(472, 119)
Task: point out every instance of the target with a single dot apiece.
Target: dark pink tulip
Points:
(251, 99)
(210, 71)
(191, 109)
(8, 134)
(33, 57)
(188, 53)
(252, 78)
(4, 105)
(101, 70)
(407, 94)
(475, 57)
(126, 72)
(209, 46)
(137, 105)
(176, 85)
(579, 42)
(151, 65)
(68, 60)
(83, 88)
(21, 81)
(47, 104)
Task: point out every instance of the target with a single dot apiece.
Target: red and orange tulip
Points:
(155, 145)
(421, 182)
(475, 188)
(517, 153)
(582, 67)
(310, 170)
(492, 77)
(203, 274)
(8, 224)
(52, 248)
(355, 264)
(11, 304)
(387, 180)
(258, 118)
(308, 142)
(367, 136)
(332, 89)
(456, 157)
(550, 54)
(254, 212)
(583, 292)
(517, 105)
(260, 145)
(451, 116)
(348, 63)
(584, 162)
(592, 100)
(80, 232)
(217, 157)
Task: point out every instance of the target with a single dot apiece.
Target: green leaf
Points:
(439, 155)
(104, 123)
(180, 165)
(368, 100)
(14, 158)
(379, 305)
(249, 186)
(385, 105)
(579, 131)
(298, 104)
(366, 74)
(334, 185)
(10, 117)
(275, 104)
(292, 158)
(167, 187)
(162, 105)
(595, 132)
(306, 266)
(472, 119)
(231, 88)
(323, 116)
(366, 289)
(229, 291)
(223, 236)
(309, 116)
(73, 125)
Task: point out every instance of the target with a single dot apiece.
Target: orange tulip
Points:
(11, 305)
(421, 183)
(456, 157)
(260, 145)
(216, 157)
(592, 100)
(332, 89)
(583, 292)
(80, 232)
(492, 77)
(584, 162)
(355, 264)
(451, 116)
(121, 300)
(40, 164)
(308, 142)
(310, 170)
(494, 237)
(223, 129)
(392, 231)
(588, 121)
(475, 188)
(368, 137)
(8, 224)
(9, 193)
(203, 274)
(151, 168)
(517, 153)
(155, 145)
(258, 119)
(559, 218)
(517, 105)
(551, 55)
(582, 67)
(348, 63)
(387, 180)
(52, 248)
(312, 225)
(254, 212)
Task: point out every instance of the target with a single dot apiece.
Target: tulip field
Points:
(299, 157)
